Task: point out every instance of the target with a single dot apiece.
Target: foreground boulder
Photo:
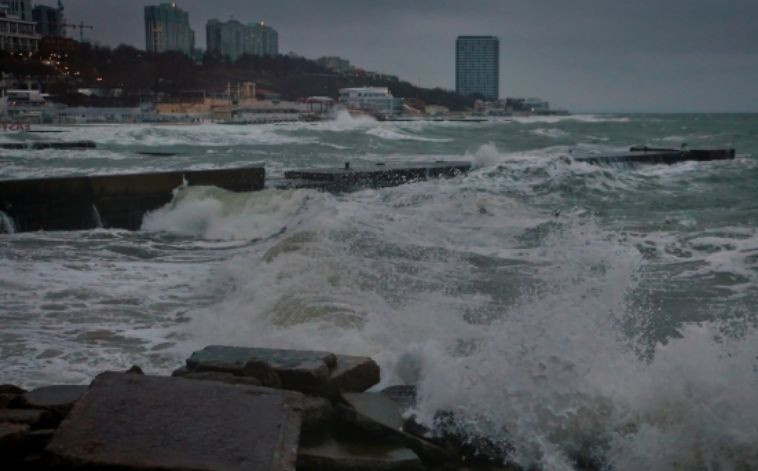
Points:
(135, 422)
(312, 372)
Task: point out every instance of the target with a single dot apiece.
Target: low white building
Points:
(377, 100)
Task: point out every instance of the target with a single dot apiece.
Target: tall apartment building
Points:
(17, 30)
(167, 28)
(477, 66)
(49, 20)
(233, 39)
(19, 8)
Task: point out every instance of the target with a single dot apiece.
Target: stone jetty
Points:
(229, 408)
(114, 201)
(651, 155)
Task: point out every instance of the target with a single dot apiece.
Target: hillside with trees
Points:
(140, 75)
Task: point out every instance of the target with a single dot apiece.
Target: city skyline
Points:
(586, 56)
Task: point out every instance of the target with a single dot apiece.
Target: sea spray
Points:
(6, 223)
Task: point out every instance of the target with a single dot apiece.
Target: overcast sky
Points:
(583, 55)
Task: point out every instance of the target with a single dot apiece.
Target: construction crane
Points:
(81, 27)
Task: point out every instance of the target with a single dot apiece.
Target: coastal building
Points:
(335, 64)
(49, 20)
(233, 39)
(378, 100)
(21, 9)
(18, 33)
(167, 28)
(477, 66)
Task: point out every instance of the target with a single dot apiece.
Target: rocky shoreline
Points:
(230, 408)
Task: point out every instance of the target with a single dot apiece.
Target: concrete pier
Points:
(39, 145)
(114, 201)
(372, 175)
(648, 155)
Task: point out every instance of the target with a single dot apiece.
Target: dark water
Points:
(562, 308)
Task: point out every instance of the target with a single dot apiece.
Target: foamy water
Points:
(564, 311)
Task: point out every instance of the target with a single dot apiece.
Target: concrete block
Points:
(136, 422)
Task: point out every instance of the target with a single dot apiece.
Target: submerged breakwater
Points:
(567, 312)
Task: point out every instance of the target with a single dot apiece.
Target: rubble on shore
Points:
(228, 408)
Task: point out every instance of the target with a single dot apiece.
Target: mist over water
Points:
(559, 309)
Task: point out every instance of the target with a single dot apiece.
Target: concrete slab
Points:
(57, 399)
(355, 455)
(135, 422)
(647, 155)
(70, 203)
(360, 175)
(379, 415)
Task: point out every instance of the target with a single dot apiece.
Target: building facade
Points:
(49, 21)
(335, 64)
(477, 66)
(17, 35)
(21, 9)
(233, 39)
(378, 100)
(167, 28)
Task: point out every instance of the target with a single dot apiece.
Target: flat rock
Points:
(12, 438)
(135, 422)
(301, 370)
(57, 399)
(354, 374)
(30, 417)
(378, 414)
(340, 455)
(317, 413)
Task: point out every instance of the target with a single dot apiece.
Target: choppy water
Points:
(557, 308)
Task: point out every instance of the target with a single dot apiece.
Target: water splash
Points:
(6, 224)
(96, 219)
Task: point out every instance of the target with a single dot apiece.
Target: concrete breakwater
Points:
(118, 201)
(231, 408)
(121, 201)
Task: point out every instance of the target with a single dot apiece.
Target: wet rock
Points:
(263, 372)
(223, 378)
(30, 417)
(300, 370)
(354, 374)
(381, 416)
(328, 452)
(57, 399)
(317, 413)
(180, 372)
(11, 389)
(6, 400)
(12, 438)
(135, 370)
(135, 422)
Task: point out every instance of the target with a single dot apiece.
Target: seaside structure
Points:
(49, 20)
(477, 66)
(17, 30)
(377, 100)
(233, 39)
(167, 29)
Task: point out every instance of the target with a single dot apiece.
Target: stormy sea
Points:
(557, 309)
